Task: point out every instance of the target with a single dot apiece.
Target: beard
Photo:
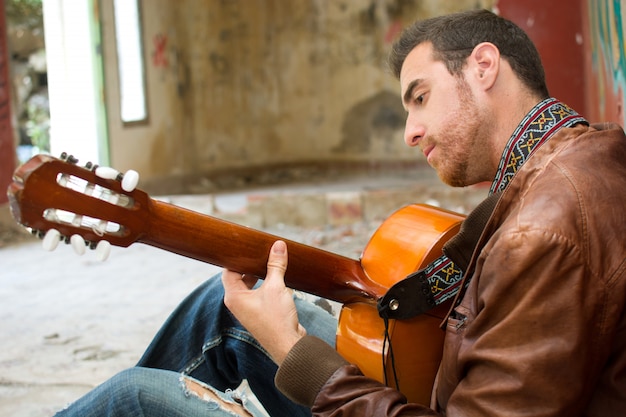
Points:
(463, 143)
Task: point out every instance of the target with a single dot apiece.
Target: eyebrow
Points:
(406, 98)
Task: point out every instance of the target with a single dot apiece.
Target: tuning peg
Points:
(130, 180)
(78, 244)
(103, 249)
(107, 173)
(51, 240)
(69, 158)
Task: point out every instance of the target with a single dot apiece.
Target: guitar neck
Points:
(245, 250)
(45, 184)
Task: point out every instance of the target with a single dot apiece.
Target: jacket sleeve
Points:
(315, 375)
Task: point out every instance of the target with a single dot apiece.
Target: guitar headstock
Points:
(95, 203)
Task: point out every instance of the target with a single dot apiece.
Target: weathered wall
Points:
(583, 48)
(268, 82)
(584, 51)
(605, 64)
(555, 27)
(243, 84)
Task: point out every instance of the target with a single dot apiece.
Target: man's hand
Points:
(267, 312)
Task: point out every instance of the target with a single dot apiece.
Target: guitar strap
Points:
(441, 279)
(413, 295)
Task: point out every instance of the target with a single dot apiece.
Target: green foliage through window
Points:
(25, 12)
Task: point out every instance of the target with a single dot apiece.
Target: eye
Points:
(419, 98)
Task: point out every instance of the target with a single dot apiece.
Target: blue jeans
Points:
(200, 340)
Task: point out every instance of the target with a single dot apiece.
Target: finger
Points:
(233, 281)
(277, 263)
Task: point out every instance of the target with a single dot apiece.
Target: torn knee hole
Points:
(204, 393)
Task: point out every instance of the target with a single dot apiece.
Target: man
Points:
(538, 326)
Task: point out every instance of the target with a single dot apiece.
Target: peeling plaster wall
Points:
(241, 84)
(605, 25)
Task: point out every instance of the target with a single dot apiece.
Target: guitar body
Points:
(407, 241)
(55, 194)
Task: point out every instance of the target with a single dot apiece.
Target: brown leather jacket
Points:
(541, 328)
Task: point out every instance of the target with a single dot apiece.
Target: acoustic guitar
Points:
(48, 193)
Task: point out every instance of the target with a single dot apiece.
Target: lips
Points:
(428, 150)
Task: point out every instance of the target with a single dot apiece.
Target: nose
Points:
(413, 131)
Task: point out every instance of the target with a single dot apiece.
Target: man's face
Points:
(444, 119)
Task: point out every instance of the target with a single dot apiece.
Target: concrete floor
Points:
(70, 322)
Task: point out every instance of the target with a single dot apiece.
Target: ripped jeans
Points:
(201, 341)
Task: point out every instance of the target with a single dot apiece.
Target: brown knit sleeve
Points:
(307, 367)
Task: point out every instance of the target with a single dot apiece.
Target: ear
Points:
(484, 64)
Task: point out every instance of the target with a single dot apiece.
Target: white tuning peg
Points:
(107, 173)
(78, 244)
(130, 180)
(51, 240)
(103, 249)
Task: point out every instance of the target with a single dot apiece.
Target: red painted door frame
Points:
(7, 134)
(555, 26)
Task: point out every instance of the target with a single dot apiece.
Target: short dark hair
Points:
(454, 37)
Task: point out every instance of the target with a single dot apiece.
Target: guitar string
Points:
(98, 226)
(387, 341)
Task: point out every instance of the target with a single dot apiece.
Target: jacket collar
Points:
(543, 121)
